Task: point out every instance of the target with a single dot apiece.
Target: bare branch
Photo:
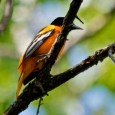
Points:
(7, 14)
(33, 91)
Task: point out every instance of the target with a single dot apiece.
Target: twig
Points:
(39, 104)
(110, 54)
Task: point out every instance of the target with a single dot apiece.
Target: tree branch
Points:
(7, 14)
(70, 16)
(33, 90)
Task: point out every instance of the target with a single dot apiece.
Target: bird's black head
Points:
(58, 21)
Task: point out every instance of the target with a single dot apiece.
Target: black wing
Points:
(37, 42)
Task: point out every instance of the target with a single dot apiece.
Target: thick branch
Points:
(32, 91)
(90, 61)
(74, 7)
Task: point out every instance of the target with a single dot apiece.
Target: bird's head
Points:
(59, 22)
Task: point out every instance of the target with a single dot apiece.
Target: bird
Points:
(32, 59)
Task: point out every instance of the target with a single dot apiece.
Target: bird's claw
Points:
(44, 57)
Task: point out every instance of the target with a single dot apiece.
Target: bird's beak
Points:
(73, 27)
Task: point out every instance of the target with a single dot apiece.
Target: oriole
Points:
(38, 48)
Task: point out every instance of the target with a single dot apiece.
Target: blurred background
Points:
(91, 92)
